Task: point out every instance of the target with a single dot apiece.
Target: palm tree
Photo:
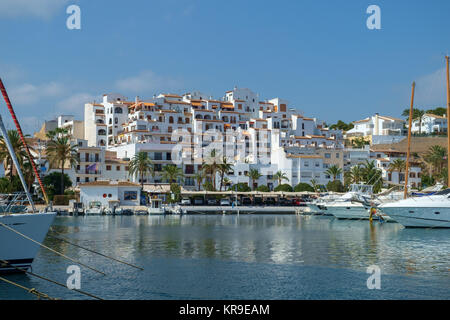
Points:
(372, 175)
(436, 157)
(397, 165)
(280, 176)
(58, 132)
(333, 171)
(28, 174)
(59, 152)
(359, 142)
(314, 184)
(211, 166)
(171, 173)
(254, 174)
(18, 148)
(223, 169)
(141, 165)
(227, 182)
(199, 177)
(416, 115)
(355, 175)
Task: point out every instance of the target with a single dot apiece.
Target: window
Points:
(130, 195)
(158, 156)
(327, 155)
(337, 155)
(118, 168)
(118, 110)
(108, 168)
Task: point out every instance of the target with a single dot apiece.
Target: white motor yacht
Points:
(432, 211)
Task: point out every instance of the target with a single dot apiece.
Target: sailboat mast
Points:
(4, 133)
(19, 130)
(448, 117)
(408, 154)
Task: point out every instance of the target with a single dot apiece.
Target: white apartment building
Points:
(385, 158)
(377, 125)
(239, 126)
(431, 123)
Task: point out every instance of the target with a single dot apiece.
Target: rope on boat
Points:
(29, 290)
(7, 264)
(60, 238)
(50, 249)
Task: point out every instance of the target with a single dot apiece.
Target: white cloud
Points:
(27, 94)
(148, 82)
(431, 89)
(42, 9)
(75, 103)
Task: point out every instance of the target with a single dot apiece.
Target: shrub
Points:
(62, 200)
(241, 187)
(283, 187)
(335, 186)
(263, 188)
(303, 187)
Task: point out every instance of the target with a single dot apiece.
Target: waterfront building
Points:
(184, 129)
(110, 193)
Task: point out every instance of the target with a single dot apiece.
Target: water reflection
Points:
(279, 239)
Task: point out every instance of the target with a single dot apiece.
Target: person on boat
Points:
(373, 212)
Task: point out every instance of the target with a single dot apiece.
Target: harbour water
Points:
(243, 257)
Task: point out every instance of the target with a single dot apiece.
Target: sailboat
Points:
(427, 211)
(17, 250)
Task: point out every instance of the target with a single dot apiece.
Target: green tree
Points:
(341, 125)
(227, 182)
(360, 142)
(283, 187)
(397, 165)
(335, 186)
(60, 152)
(372, 175)
(333, 171)
(355, 175)
(280, 176)
(301, 187)
(223, 168)
(240, 187)
(199, 177)
(254, 175)
(417, 114)
(141, 165)
(55, 182)
(438, 111)
(18, 148)
(436, 158)
(314, 185)
(263, 188)
(171, 173)
(211, 165)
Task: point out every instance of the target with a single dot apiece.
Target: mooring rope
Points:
(29, 290)
(50, 249)
(6, 263)
(60, 238)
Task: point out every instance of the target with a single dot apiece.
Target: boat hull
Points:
(14, 248)
(419, 217)
(349, 212)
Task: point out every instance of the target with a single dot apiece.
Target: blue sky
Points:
(318, 55)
